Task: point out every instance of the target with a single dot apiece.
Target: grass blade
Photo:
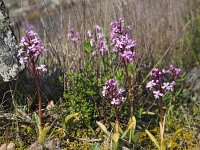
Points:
(153, 139)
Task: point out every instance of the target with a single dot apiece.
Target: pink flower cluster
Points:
(97, 41)
(163, 81)
(31, 48)
(113, 93)
(75, 36)
(123, 44)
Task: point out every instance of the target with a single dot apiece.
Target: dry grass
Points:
(155, 25)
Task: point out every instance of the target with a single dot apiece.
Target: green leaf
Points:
(90, 128)
(174, 136)
(29, 129)
(68, 119)
(95, 146)
(131, 125)
(119, 74)
(36, 120)
(67, 95)
(148, 113)
(120, 129)
(43, 134)
(55, 132)
(86, 46)
(153, 139)
(103, 128)
(115, 137)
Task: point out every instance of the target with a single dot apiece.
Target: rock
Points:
(35, 146)
(3, 146)
(192, 81)
(125, 148)
(11, 146)
(50, 145)
(9, 64)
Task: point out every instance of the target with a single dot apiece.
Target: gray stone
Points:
(192, 81)
(50, 145)
(11, 146)
(9, 64)
(3, 146)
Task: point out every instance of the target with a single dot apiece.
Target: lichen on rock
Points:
(9, 63)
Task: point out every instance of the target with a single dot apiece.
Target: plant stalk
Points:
(116, 121)
(39, 101)
(130, 97)
(35, 72)
(161, 111)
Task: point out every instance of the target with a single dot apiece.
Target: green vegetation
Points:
(117, 85)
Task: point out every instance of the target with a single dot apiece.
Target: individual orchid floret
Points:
(157, 94)
(31, 48)
(150, 85)
(75, 36)
(42, 68)
(89, 34)
(167, 86)
(23, 60)
(113, 93)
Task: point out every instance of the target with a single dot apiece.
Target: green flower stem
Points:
(162, 123)
(130, 96)
(116, 121)
(161, 110)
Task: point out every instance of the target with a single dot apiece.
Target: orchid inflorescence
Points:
(31, 48)
(121, 41)
(97, 41)
(75, 36)
(112, 92)
(163, 81)
(98, 38)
